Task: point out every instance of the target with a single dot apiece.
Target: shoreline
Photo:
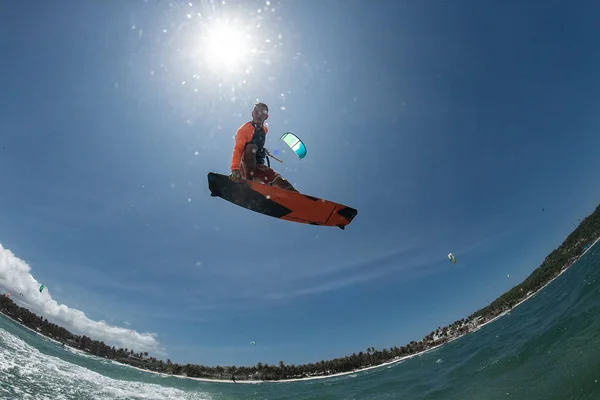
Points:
(452, 339)
(255, 382)
(387, 363)
(540, 289)
(589, 248)
(32, 330)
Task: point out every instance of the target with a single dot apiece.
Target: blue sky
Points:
(448, 125)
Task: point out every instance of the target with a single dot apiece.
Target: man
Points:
(249, 153)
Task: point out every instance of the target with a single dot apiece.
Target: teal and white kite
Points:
(295, 144)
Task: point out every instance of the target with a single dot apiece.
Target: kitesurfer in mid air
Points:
(249, 153)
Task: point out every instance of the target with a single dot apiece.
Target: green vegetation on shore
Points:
(561, 258)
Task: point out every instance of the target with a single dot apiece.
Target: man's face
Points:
(260, 113)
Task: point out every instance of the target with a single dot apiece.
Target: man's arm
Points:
(242, 136)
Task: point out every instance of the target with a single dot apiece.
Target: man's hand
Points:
(236, 176)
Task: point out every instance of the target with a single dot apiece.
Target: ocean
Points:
(546, 348)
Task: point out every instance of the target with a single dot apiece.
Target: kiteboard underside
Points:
(280, 203)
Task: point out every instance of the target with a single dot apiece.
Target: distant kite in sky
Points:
(452, 258)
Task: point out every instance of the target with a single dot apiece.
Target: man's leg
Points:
(260, 172)
(282, 183)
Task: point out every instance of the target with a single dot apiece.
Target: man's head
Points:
(260, 113)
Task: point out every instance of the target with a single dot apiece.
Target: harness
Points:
(258, 139)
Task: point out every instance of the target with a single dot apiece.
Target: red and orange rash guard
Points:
(243, 136)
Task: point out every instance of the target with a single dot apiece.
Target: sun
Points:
(226, 46)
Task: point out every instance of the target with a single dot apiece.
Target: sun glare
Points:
(226, 46)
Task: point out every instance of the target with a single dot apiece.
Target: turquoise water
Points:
(547, 348)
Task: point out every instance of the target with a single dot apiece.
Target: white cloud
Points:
(15, 277)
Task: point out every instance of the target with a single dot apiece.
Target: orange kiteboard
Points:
(280, 203)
